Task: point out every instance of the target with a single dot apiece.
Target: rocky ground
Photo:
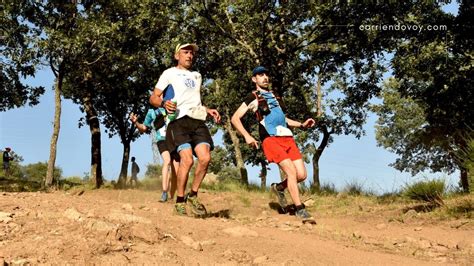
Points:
(132, 226)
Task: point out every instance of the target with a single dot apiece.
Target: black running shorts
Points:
(162, 146)
(187, 130)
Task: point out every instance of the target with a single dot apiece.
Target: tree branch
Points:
(95, 61)
(241, 40)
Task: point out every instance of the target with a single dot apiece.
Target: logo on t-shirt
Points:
(190, 83)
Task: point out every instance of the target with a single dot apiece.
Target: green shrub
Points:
(71, 182)
(153, 170)
(328, 189)
(228, 173)
(465, 157)
(231, 185)
(149, 183)
(73, 179)
(389, 197)
(464, 207)
(356, 189)
(37, 172)
(324, 189)
(430, 191)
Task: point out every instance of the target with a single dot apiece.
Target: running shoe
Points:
(164, 197)
(280, 195)
(197, 207)
(180, 208)
(304, 215)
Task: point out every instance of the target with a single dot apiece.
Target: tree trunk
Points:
(317, 156)
(56, 128)
(238, 152)
(316, 181)
(464, 180)
(470, 180)
(94, 126)
(122, 180)
(263, 175)
(464, 174)
(320, 97)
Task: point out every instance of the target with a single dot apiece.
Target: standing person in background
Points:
(277, 139)
(6, 161)
(157, 119)
(187, 133)
(135, 171)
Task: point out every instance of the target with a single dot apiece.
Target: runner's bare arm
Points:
(237, 123)
(134, 118)
(156, 100)
(306, 124)
(215, 114)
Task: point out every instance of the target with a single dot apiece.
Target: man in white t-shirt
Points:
(187, 133)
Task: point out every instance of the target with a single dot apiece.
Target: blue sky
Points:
(28, 130)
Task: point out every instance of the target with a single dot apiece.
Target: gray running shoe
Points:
(164, 197)
(197, 207)
(280, 195)
(304, 215)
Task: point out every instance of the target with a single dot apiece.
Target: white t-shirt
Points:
(186, 86)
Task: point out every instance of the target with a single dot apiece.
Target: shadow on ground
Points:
(427, 207)
(290, 209)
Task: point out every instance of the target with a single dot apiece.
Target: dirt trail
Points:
(131, 226)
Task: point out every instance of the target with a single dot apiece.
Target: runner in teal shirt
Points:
(156, 121)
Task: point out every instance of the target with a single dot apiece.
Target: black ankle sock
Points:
(192, 193)
(282, 185)
(179, 199)
(300, 207)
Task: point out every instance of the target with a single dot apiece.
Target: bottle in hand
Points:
(172, 116)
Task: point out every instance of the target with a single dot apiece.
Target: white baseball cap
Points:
(181, 46)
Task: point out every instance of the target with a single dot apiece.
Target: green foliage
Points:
(150, 183)
(19, 59)
(228, 173)
(389, 197)
(231, 185)
(324, 189)
(221, 158)
(434, 72)
(120, 61)
(461, 208)
(37, 172)
(111, 62)
(18, 185)
(431, 191)
(356, 188)
(298, 43)
(153, 171)
(399, 118)
(465, 156)
(17, 171)
(71, 182)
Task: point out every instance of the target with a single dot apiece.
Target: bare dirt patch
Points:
(131, 226)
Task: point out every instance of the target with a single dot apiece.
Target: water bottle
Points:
(172, 116)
